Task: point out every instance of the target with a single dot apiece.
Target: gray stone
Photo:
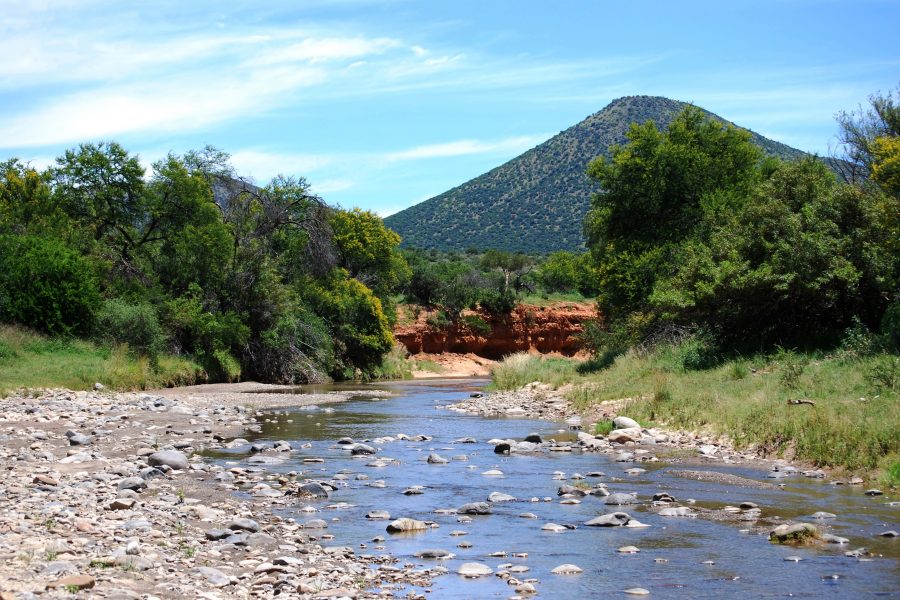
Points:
(405, 524)
(615, 519)
(500, 497)
(213, 576)
(244, 524)
(620, 498)
(436, 459)
(625, 423)
(475, 508)
(132, 483)
(474, 570)
(169, 458)
(313, 490)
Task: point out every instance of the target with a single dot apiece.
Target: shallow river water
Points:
(675, 553)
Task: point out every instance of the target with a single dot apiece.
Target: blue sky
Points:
(384, 103)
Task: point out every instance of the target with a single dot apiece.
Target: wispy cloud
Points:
(466, 147)
(79, 74)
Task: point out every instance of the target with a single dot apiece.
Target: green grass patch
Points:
(853, 424)
(521, 369)
(429, 366)
(31, 360)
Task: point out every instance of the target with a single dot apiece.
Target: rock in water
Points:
(615, 519)
(406, 524)
(567, 569)
(474, 570)
(796, 534)
(475, 508)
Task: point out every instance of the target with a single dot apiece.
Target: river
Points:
(678, 558)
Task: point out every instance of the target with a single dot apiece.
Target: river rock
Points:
(615, 519)
(637, 591)
(436, 459)
(361, 450)
(533, 438)
(244, 525)
(823, 515)
(796, 534)
(553, 527)
(474, 570)
(406, 524)
(475, 508)
(313, 490)
(502, 448)
(132, 483)
(567, 569)
(169, 458)
(621, 436)
(213, 576)
(830, 538)
(378, 514)
(495, 497)
(620, 498)
(78, 439)
(433, 553)
(625, 423)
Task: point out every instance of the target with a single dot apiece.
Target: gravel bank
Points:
(101, 492)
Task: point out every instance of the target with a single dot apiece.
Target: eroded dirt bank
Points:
(544, 329)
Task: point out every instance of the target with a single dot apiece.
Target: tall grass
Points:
(854, 424)
(30, 360)
(394, 365)
(522, 368)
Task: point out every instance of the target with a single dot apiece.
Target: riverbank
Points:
(834, 413)
(103, 492)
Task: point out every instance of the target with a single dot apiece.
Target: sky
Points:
(382, 104)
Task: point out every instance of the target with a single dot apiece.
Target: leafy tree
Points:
(369, 251)
(26, 204)
(46, 285)
(660, 189)
(859, 131)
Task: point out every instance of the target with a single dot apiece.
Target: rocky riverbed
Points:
(101, 494)
(159, 495)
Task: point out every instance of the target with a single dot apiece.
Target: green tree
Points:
(46, 285)
(658, 190)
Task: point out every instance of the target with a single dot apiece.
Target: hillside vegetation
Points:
(536, 202)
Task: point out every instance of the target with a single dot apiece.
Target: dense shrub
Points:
(46, 286)
(134, 324)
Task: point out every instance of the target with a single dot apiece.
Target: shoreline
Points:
(94, 515)
(541, 401)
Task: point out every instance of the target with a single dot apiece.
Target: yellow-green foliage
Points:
(30, 360)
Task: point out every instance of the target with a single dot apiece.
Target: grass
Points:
(853, 425)
(429, 366)
(521, 369)
(31, 360)
(394, 365)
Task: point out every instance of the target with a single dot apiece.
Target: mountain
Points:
(537, 201)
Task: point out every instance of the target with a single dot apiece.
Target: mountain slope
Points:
(537, 201)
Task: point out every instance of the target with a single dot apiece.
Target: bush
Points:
(46, 286)
(134, 324)
(477, 325)
(890, 327)
(498, 302)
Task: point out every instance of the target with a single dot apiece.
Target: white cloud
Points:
(465, 147)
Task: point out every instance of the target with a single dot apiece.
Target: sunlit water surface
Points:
(745, 565)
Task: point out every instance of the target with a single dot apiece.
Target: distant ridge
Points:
(536, 202)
